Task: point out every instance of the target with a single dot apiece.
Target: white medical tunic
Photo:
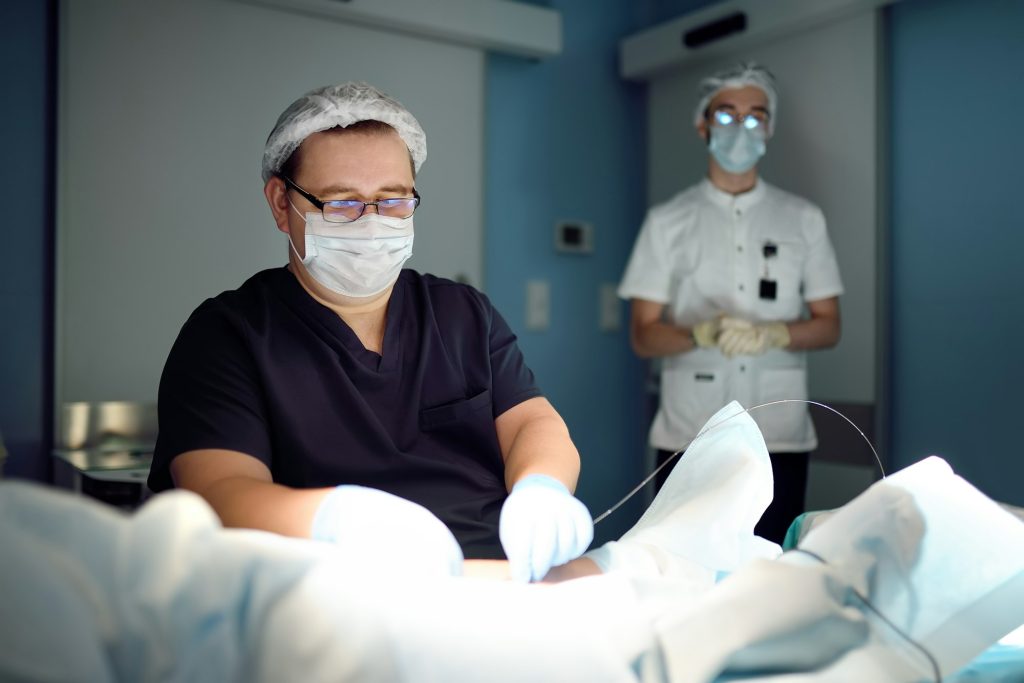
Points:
(704, 253)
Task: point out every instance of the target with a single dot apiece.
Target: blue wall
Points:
(957, 243)
(26, 234)
(566, 140)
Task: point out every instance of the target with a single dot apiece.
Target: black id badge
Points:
(769, 288)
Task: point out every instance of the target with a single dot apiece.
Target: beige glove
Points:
(743, 338)
(705, 334)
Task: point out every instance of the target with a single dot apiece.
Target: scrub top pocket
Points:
(463, 432)
(456, 411)
(785, 269)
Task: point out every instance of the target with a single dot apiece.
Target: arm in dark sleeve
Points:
(210, 394)
(512, 381)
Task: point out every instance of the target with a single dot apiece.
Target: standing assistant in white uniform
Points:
(731, 281)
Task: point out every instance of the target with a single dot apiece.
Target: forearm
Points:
(241, 490)
(659, 339)
(543, 446)
(247, 503)
(815, 333)
(498, 570)
(541, 525)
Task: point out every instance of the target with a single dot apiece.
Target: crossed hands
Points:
(739, 337)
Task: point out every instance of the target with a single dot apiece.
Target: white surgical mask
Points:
(735, 148)
(357, 259)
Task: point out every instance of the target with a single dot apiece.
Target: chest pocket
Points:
(463, 431)
(705, 272)
(786, 269)
(455, 412)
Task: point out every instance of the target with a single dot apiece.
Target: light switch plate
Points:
(538, 305)
(610, 317)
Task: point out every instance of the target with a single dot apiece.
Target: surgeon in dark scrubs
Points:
(349, 400)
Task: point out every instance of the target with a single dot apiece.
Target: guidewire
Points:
(920, 648)
(708, 428)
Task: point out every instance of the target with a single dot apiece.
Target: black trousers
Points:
(789, 471)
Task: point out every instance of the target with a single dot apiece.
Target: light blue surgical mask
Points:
(736, 148)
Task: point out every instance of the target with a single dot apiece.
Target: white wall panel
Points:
(164, 106)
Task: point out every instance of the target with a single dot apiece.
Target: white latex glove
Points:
(386, 534)
(705, 333)
(743, 338)
(542, 526)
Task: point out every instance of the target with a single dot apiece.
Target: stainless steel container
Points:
(107, 448)
(107, 426)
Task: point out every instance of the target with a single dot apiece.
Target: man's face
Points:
(341, 165)
(739, 102)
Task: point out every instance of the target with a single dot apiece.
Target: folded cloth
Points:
(93, 594)
(908, 582)
(701, 523)
(166, 594)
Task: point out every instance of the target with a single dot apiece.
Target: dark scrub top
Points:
(268, 371)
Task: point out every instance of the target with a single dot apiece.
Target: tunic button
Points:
(741, 288)
(743, 368)
(739, 248)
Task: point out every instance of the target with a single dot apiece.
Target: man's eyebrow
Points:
(344, 189)
(396, 188)
(756, 107)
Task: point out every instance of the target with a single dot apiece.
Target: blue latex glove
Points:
(542, 526)
(385, 534)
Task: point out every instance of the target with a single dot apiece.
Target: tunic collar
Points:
(734, 201)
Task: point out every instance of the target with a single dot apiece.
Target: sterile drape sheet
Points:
(920, 573)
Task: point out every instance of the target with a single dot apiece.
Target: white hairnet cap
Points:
(339, 105)
(737, 76)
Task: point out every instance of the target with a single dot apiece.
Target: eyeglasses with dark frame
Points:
(727, 117)
(348, 210)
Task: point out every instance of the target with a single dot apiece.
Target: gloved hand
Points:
(542, 526)
(705, 333)
(385, 534)
(741, 337)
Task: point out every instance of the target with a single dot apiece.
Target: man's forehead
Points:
(337, 162)
(750, 96)
(386, 136)
(342, 147)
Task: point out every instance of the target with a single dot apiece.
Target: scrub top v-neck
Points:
(336, 328)
(268, 371)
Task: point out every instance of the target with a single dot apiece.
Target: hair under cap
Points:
(736, 76)
(339, 106)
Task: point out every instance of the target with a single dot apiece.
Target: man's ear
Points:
(276, 193)
(702, 130)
